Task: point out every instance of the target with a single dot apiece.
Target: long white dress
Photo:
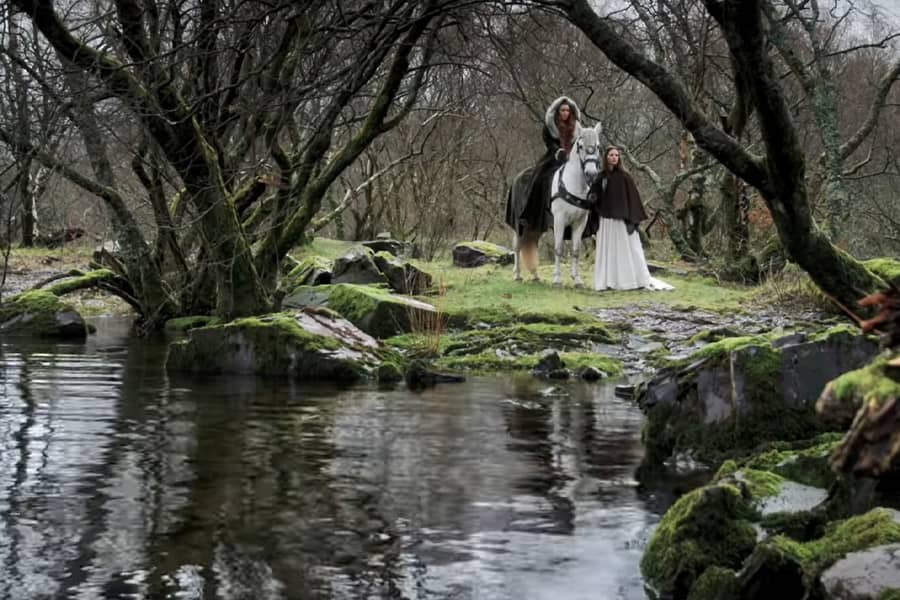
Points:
(619, 263)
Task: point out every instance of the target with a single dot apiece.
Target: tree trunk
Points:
(143, 272)
(780, 176)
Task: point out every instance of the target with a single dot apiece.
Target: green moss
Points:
(875, 528)
(286, 324)
(389, 372)
(760, 484)
(872, 383)
(378, 312)
(847, 330)
(706, 527)
(886, 268)
(716, 583)
(676, 426)
(489, 361)
(42, 307)
(525, 338)
(299, 274)
(709, 336)
(275, 344)
(182, 324)
(89, 279)
(37, 301)
(800, 526)
(805, 462)
(488, 248)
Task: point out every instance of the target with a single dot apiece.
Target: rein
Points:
(564, 194)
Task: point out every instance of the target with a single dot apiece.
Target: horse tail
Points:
(529, 249)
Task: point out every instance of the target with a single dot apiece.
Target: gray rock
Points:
(592, 374)
(475, 254)
(549, 363)
(357, 266)
(329, 348)
(403, 277)
(395, 247)
(807, 367)
(864, 575)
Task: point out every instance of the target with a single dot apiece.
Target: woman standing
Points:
(619, 262)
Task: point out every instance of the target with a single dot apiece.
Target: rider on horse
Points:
(528, 204)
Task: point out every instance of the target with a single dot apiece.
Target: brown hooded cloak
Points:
(619, 198)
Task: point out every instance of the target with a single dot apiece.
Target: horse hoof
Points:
(517, 279)
(557, 284)
(579, 286)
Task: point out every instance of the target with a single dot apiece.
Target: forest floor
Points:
(660, 321)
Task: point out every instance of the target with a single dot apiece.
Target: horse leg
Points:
(577, 232)
(559, 229)
(517, 248)
(531, 253)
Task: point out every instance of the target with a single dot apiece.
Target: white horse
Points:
(569, 203)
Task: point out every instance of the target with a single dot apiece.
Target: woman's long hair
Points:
(566, 128)
(620, 166)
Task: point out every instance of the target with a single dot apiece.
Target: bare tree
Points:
(779, 175)
(245, 113)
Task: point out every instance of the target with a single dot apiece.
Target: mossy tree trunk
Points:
(252, 112)
(780, 174)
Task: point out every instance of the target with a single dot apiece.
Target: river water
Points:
(118, 480)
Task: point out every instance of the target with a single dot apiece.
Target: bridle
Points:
(587, 155)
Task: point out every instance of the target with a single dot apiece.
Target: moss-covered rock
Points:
(185, 324)
(307, 344)
(708, 527)
(806, 461)
(876, 383)
(491, 361)
(380, 313)
(474, 254)
(402, 276)
(389, 372)
(800, 564)
(528, 338)
(41, 314)
(312, 270)
(373, 309)
(716, 583)
(736, 393)
(357, 266)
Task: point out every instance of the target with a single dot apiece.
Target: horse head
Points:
(588, 152)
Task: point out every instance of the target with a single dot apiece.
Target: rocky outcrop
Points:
(307, 344)
(864, 575)
(391, 246)
(475, 254)
(374, 310)
(312, 270)
(735, 393)
(403, 277)
(756, 533)
(41, 314)
(357, 266)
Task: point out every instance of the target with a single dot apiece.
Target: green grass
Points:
(490, 289)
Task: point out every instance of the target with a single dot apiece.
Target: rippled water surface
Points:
(120, 481)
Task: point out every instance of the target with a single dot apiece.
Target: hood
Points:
(549, 120)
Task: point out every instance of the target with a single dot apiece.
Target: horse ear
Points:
(598, 128)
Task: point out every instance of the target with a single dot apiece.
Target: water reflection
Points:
(118, 481)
